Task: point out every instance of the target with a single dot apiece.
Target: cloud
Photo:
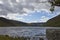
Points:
(17, 1)
(1, 2)
(44, 19)
(35, 21)
(27, 10)
(21, 6)
(3, 16)
(45, 10)
(14, 17)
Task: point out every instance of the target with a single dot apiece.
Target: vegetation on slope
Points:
(53, 4)
(54, 21)
(7, 22)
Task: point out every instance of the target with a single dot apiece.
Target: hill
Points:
(7, 22)
(54, 21)
(36, 24)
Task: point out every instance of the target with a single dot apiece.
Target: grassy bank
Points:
(6, 37)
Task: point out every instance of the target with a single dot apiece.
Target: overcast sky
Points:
(27, 10)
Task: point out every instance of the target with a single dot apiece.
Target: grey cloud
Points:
(5, 8)
(11, 6)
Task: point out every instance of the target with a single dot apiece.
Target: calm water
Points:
(24, 31)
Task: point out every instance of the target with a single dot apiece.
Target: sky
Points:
(27, 10)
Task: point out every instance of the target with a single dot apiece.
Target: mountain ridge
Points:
(7, 22)
(54, 21)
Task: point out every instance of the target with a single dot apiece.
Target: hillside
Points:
(54, 21)
(7, 22)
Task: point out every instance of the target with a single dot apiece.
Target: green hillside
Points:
(6, 22)
(54, 22)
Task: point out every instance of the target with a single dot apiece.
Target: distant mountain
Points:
(36, 24)
(7, 22)
(54, 21)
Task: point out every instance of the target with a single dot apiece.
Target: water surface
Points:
(24, 31)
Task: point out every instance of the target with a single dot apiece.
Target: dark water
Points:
(24, 31)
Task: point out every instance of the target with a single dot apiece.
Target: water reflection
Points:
(34, 33)
(22, 31)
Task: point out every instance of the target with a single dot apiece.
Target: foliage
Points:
(54, 3)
